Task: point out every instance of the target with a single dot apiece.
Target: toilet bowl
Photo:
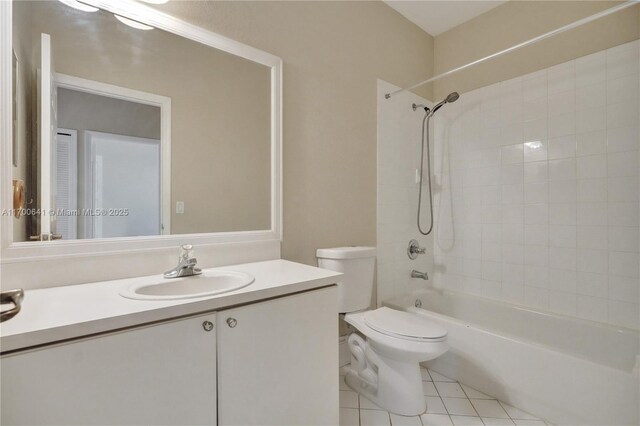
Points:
(387, 345)
(385, 364)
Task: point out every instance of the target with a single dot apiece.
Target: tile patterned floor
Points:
(449, 403)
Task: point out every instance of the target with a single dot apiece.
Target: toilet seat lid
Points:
(403, 324)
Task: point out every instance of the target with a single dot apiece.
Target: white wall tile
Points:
(592, 166)
(623, 139)
(592, 308)
(591, 143)
(592, 214)
(563, 236)
(621, 60)
(592, 190)
(564, 169)
(535, 172)
(624, 264)
(622, 89)
(512, 154)
(592, 260)
(548, 165)
(562, 125)
(623, 114)
(562, 213)
(591, 69)
(563, 303)
(562, 147)
(624, 239)
(592, 119)
(591, 96)
(623, 214)
(623, 313)
(622, 164)
(592, 284)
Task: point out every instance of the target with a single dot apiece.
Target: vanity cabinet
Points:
(278, 361)
(272, 362)
(163, 374)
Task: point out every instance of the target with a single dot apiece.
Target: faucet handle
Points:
(185, 251)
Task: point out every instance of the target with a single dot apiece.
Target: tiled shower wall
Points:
(538, 191)
(398, 158)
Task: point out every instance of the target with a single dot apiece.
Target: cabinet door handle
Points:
(232, 322)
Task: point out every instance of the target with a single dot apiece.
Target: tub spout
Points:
(418, 274)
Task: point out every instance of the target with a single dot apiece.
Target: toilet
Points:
(389, 345)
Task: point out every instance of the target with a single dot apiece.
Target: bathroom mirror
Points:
(131, 124)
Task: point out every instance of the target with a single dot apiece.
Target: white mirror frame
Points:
(14, 252)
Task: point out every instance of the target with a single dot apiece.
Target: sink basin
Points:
(209, 283)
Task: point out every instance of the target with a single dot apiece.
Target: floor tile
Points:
(437, 377)
(459, 406)
(435, 405)
(526, 422)
(489, 408)
(367, 404)
(472, 393)
(374, 418)
(516, 413)
(425, 375)
(349, 417)
(490, 421)
(428, 389)
(343, 384)
(466, 421)
(436, 420)
(348, 399)
(397, 420)
(451, 390)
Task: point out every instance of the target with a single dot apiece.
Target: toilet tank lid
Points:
(352, 252)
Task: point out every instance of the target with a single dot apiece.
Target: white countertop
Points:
(59, 313)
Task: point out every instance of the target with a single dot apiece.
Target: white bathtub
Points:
(565, 370)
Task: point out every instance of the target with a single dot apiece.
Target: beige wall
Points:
(333, 54)
(517, 21)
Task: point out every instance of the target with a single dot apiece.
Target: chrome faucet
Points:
(186, 264)
(418, 274)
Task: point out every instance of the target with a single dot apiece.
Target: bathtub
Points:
(565, 370)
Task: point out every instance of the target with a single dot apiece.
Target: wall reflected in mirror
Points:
(123, 132)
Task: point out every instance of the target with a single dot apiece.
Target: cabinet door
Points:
(278, 361)
(160, 374)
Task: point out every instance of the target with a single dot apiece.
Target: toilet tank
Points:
(355, 287)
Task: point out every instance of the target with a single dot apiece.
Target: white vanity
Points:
(263, 354)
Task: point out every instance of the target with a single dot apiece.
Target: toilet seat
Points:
(404, 325)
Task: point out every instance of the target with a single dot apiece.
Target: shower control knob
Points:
(232, 322)
(414, 249)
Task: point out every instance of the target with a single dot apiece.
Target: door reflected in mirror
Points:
(124, 132)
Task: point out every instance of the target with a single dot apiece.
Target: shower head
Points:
(451, 97)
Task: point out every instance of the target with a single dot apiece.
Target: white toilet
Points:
(385, 367)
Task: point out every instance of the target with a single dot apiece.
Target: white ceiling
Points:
(436, 17)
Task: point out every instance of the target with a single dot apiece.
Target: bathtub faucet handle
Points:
(418, 274)
(414, 249)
